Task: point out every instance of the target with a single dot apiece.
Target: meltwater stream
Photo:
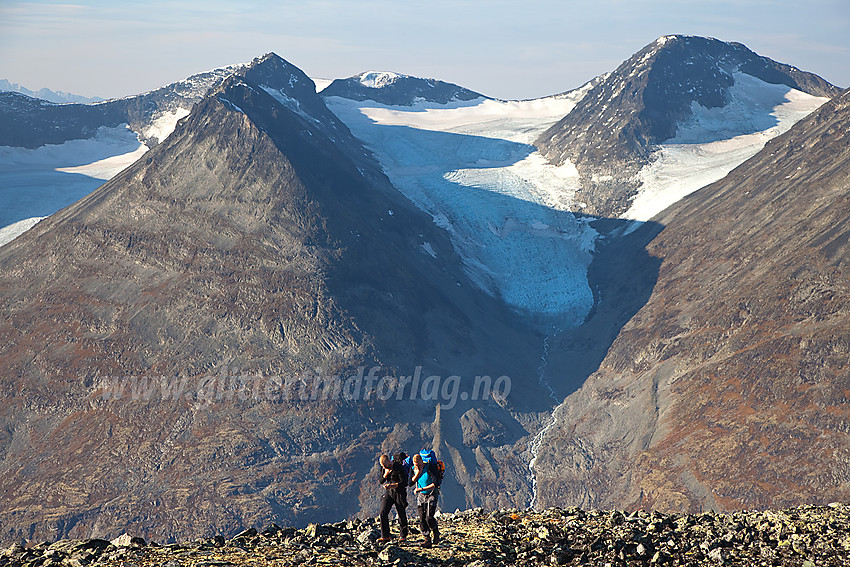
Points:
(472, 168)
(537, 440)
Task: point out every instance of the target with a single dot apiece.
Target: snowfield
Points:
(38, 182)
(716, 140)
(165, 124)
(14, 230)
(471, 167)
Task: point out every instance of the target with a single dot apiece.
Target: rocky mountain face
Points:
(164, 338)
(613, 131)
(728, 388)
(31, 122)
(200, 345)
(399, 90)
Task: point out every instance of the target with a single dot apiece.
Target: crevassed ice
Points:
(472, 168)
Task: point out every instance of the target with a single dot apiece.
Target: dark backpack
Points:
(405, 467)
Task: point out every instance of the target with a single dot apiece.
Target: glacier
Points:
(38, 182)
(470, 165)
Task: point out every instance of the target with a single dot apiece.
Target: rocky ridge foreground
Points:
(805, 536)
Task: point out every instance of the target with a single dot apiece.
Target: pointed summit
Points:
(728, 389)
(220, 279)
(292, 88)
(615, 128)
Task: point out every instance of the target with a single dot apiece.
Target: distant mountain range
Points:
(469, 269)
(60, 97)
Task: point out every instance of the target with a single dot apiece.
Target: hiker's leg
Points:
(423, 519)
(402, 518)
(431, 509)
(386, 506)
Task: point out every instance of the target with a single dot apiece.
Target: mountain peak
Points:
(620, 122)
(253, 237)
(379, 79)
(396, 89)
(276, 72)
(59, 97)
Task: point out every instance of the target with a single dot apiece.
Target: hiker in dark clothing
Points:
(427, 489)
(394, 479)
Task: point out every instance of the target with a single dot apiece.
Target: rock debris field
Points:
(806, 537)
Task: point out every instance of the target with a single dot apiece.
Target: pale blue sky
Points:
(505, 49)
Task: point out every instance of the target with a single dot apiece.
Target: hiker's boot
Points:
(427, 542)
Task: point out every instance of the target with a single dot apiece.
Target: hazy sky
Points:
(505, 49)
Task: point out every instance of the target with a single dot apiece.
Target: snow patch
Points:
(379, 79)
(230, 105)
(164, 124)
(429, 249)
(321, 84)
(287, 101)
(714, 141)
(107, 168)
(14, 230)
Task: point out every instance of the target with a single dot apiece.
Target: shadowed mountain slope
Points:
(729, 388)
(147, 328)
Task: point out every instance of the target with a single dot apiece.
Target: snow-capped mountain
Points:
(678, 89)
(275, 237)
(60, 97)
(258, 241)
(399, 90)
(728, 388)
(31, 123)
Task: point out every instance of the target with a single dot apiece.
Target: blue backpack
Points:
(436, 468)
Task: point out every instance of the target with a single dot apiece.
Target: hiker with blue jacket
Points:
(395, 480)
(426, 482)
